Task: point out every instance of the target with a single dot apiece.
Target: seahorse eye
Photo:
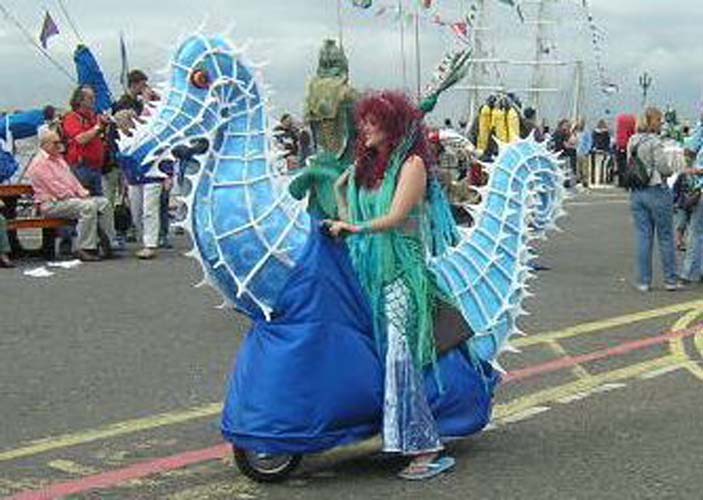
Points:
(200, 79)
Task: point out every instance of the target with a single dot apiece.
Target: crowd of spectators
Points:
(74, 175)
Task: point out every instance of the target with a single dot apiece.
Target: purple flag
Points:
(125, 65)
(48, 30)
(364, 4)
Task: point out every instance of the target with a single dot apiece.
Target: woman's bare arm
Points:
(409, 192)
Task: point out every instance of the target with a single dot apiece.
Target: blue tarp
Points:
(8, 165)
(311, 378)
(89, 73)
(23, 124)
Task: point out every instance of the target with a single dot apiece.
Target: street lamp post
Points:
(645, 82)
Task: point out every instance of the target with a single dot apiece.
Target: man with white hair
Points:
(61, 195)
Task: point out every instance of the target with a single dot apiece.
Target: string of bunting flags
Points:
(597, 37)
(428, 11)
(460, 27)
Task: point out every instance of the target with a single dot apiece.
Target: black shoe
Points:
(6, 263)
(87, 256)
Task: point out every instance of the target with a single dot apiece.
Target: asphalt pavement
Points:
(114, 372)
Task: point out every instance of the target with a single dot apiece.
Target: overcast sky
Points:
(641, 35)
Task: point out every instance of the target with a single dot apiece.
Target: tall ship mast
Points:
(491, 73)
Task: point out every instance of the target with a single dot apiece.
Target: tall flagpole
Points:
(339, 23)
(401, 20)
(418, 66)
(70, 21)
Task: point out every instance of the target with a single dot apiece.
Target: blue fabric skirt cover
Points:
(311, 379)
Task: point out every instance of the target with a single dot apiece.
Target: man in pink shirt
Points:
(61, 195)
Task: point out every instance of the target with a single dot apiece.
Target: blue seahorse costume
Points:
(310, 373)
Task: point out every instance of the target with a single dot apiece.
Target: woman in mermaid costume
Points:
(352, 352)
(384, 199)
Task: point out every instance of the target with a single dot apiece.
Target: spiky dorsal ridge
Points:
(547, 180)
(149, 129)
(274, 158)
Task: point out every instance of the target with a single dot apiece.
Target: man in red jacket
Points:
(84, 131)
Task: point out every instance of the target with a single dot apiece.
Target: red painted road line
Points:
(137, 471)
(161, 465)
(619, 350)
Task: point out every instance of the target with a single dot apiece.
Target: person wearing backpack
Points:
(651, 200)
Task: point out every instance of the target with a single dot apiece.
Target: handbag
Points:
(450, 328)
(691, 199)
(123, 215)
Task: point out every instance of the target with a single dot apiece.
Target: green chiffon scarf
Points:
(384, 257)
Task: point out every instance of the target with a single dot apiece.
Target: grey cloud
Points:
(641, 35)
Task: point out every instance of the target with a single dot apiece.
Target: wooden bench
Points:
(10, 194)
(49, 230)
(37, 223)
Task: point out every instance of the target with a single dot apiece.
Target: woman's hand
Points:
(339, 228)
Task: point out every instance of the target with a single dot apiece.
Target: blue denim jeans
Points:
(653, 209)
(692, 262)
(90, 178)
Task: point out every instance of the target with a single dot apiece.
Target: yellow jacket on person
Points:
(499, 122)
(513, 125)
(484, 128)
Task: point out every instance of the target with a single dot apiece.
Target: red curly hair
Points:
(395, 115)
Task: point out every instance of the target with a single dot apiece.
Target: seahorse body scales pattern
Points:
(249, 232)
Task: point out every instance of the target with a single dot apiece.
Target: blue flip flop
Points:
(440, 465)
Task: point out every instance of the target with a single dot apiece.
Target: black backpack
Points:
(637, 174)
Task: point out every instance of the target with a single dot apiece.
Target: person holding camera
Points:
(84, 134)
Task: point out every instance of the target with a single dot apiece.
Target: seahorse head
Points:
(207, 86)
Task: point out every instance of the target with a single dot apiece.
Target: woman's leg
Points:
(408, 424)
(663, 212)
(644, 233)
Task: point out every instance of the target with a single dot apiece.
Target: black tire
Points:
(276, 470)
